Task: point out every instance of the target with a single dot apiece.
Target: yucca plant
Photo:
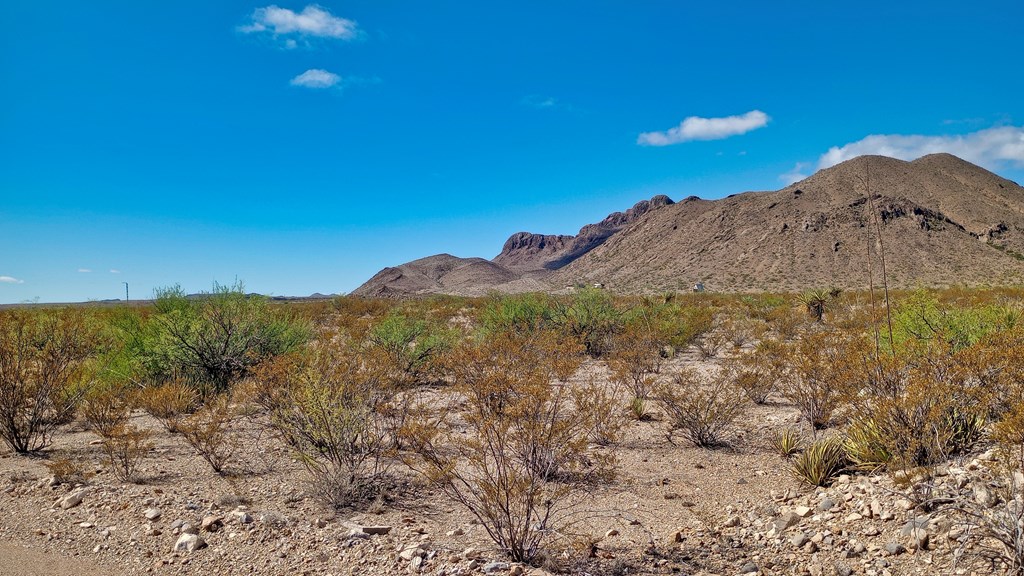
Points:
(865, 445)
(786, 443)
(821, 462)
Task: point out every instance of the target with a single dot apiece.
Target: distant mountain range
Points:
(943, 221)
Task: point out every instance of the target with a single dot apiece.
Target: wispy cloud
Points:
(84, 270)
(115, 271)
(314, 21)
(697, 128)
(11, 280)
(316, 78)
(992, 147)
(796, 174)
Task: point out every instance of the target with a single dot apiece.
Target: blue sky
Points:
(301, 147)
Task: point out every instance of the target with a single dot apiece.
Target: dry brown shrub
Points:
(106, 409)
(711, 343)
(916, 409)
(169, 403)
(525, 459)
(820, 373)
(602, 402)
(635, 358)
(758, 373)
(699, 408)
(208, 432)
(42, 364)
(125, 447)
(67, 471)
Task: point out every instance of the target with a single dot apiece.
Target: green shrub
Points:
(211, 340)
(410, 349)
(520, 313)
(591, 318)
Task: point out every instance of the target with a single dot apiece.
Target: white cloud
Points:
(542, 102)
(316, 78)
(10, 280)
(313, 21)
(796, 174)
(115, 271)
(84, 270)
(697, 128)
(991, 148)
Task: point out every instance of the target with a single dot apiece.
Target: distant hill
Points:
(944, 221)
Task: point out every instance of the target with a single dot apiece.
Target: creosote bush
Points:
(816, 381)
(698, 408)
(125, 447)
(410, 350)
(334, 411)
(208, 432)
(43, 357)
(525, 459)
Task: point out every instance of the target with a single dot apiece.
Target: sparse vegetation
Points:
(43, 369)
(699, 409)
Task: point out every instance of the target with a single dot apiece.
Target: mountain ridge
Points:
(943, 221)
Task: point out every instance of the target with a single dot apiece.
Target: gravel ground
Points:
(673, 509)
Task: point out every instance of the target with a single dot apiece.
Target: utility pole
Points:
(125, 292)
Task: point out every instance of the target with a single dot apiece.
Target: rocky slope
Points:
(525, 251)
(523, 262)
(943, 221)
(936, 221)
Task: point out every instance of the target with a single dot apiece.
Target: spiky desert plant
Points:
(820, 463)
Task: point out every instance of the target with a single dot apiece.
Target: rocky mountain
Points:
(942, 221)
(521, 266)
(525, 251)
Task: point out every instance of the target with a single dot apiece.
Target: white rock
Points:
(189, 543)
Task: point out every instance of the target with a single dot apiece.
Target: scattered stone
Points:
(749, 568)
(495, 567)
(826, 505)
(799, 540)
(212, 523)
(843, 569)
(152, 514)
(802, 511)
(894, 549)
(918, 539)
(71, 500)
(189, 543)
(786, 521)
(610, 533)
(375, 530)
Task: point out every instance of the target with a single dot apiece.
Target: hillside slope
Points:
(944, 221)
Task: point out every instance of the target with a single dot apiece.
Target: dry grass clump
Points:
(699, 409)
(169, 403)
(66, 470)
